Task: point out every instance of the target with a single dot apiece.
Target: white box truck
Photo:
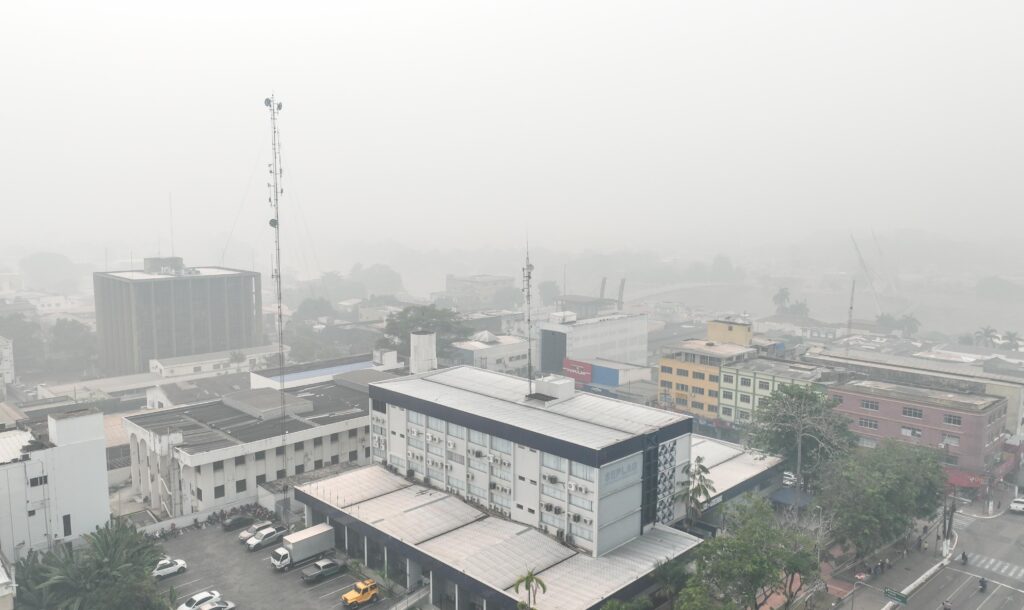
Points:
(308, 545)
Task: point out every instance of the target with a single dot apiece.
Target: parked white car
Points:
(199, 599)
(1017, 506)
(169, 567)
(217, 605)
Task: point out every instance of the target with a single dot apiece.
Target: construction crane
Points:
(867, 272)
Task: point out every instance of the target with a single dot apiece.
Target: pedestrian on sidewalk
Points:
(925, 546)
(888, 564)
(919, 541)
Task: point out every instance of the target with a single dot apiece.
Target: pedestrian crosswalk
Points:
(961, 521)
(998, 566)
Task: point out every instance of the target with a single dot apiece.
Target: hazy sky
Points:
(686, 126)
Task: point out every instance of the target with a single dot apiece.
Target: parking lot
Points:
(217, 561)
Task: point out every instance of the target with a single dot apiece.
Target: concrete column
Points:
(345, 529)
(386, 561)
(135, 470)
(309, 516)
(366, 551)
(413, 573)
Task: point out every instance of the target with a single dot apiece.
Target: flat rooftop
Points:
(610, 364)
(206, 389)
(487, 340)
(855, 357)
(730, 465)
(927, 396)
(705, 347)
(490, 550)
(215, 425)
(320, 368)
(11, 442)
(781, 368)
(189, 272)
(587, 420)
(259, 350)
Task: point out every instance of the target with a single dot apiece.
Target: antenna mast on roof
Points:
(275, 192)
(527, 277)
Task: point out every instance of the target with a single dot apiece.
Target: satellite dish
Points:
(267, 102)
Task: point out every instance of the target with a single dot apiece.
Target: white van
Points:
(1017, 506)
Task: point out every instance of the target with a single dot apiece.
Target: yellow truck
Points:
(364, 592)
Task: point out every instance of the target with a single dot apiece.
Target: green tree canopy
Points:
(801, 424)
(696, 490)
(313, 308)
(27, 337)
(444, 322)
(876, 494)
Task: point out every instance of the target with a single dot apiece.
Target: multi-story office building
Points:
(968, 428)
(689, 375)
(621, 337)
(743, 384)
(53, 473)
(6, 364)
(500, 353)
(168, 310)
(215, 454)
(589, 469)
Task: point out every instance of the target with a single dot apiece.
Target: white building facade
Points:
(620, 337)
(6, 364)
(499, 353)
(54, 482)
(592, 471)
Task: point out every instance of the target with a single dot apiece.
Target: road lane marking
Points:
(333, 592)
(333, 578)
(976, 576)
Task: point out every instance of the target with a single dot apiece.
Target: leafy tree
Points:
(533, 586)
(72, 345)
(671, 576)
(781, 300)
(1012, 340)
(549, 292)
(986, 336)
(799, 309)
(508, 297)
(802, 425)
(909, 324)
(378, 279)
(31, 574)
(639, 603)
(696, 596)
(753, 559)
(696, 490)
(27, 337)
(307, 345)
(444, 322)
(313, 308)
(876, 495)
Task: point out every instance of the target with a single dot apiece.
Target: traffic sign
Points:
(895, 596)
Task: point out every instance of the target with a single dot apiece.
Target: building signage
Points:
(626, 469)
(582, 372)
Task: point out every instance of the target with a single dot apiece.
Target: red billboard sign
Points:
(582, 372)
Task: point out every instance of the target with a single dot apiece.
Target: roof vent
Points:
(556, 387)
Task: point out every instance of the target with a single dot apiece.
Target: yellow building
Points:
(731, 331)
(689, 374)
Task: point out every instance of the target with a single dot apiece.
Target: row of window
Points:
(242, 484)
(262, 455)
(913, 412)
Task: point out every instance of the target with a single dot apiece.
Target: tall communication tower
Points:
(527, 279)
(275, 194)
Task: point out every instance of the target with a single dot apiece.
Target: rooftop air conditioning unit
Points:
(543, 477)
(552, 478)
(451, 444)
(558, 510)
(494, 485)
(548, 507)
(492, 459)
(506, 463)
(408, 454)
(571, 486)
(478, 453)
(469, 475)
(588, 521)
(576, 518)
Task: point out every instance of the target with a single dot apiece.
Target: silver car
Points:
(250, 531)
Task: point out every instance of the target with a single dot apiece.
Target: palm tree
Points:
(986, 335)
(532, 583)
(31, 573)
(1012, 340)
(781, 300)
(696, 490)
(885, 321)
(909, 324)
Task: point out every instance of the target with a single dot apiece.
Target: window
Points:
(582, 471)
(864, 422)
(745, 382)
(764, 385)
(665, 384)
(682, 373)
(354, 432)
(335, 459)
(240, 460)
(713, 378)
(554, 462)
(480, 465)
(299, 445)
(952, 420)
(697, 405)
(458, 458)
(552, 519)
(416, 417)
(478, 437)
(300, 468)
(218, 491)
(726, 411)
(950, 439)
(500, 444)
(745, 398)
(712, 408)
(951, 460)
(666, 369)
(696, 390)
(435, 449)
(682, 387)
(698, 375)
(726, 395)
(240, 485)
(456, 431)
(870, 405)
(318, 464)
(261, 455)
(744, 414)
(581, 502)
(713, 393)
(318, 442)
(218, 465)
(334, 437)
(727, 379)
(353, 456)
(199, 468)
(37, 481)
(67, 525)
(866, 442)
(555, 491)
(681, 401)
(261, 479)
(281, 474)
(910, 432)
(415, 443)
(435, 424)
(279, 451)
(913, 412)
(31, 513)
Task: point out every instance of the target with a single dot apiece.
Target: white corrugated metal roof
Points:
(355, 486)
(585, 419)
(415, 513)
(11, 443)
(729, 465)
